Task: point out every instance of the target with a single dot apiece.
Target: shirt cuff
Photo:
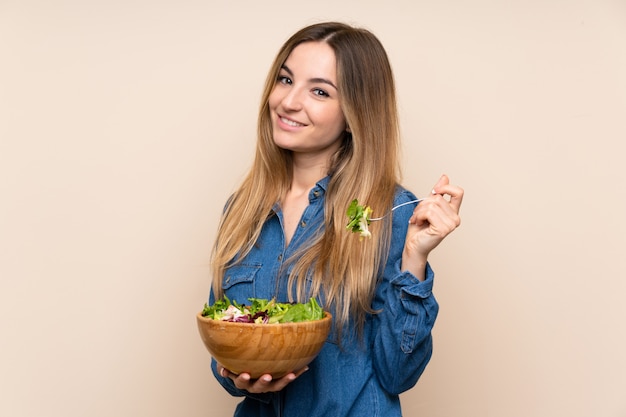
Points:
(409, 285)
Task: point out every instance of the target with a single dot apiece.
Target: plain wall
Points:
(124, 126)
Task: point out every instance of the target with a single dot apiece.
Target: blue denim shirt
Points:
(354, 378)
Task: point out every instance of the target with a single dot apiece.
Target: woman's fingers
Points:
(438, 213)
(436, 220)
(265, 383)
(443, 187)
(433, 219)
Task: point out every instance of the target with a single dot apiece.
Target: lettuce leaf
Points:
(359, 217)
(263, 311)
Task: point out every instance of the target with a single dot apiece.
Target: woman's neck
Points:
(306, 173)
(305, 176)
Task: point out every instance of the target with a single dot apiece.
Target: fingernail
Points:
(267, 378)
(433, 192)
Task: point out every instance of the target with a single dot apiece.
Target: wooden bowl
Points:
(260, 349)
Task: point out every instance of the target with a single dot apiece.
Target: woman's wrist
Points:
(415, 264)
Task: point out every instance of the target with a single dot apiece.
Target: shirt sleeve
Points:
(406, 309)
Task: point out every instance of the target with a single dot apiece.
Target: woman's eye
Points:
(319, 92)
(284, 79)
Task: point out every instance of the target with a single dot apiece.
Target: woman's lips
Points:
(289, 123)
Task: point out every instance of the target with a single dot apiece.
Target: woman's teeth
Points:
(290, 122)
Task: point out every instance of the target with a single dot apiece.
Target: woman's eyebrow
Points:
(312, 80)
(286, 68)
(324, 81)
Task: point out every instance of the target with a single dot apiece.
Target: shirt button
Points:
(280, 257)
(316, 193)
(303, 223)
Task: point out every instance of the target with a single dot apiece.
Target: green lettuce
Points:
(263, 311)
(359, 217)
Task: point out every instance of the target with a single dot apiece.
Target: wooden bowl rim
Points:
(327, 317)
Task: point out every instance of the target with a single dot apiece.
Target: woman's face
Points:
(304, 104)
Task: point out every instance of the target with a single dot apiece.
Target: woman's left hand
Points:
(433, 219)
(261, 385)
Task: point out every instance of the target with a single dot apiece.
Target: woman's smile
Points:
(290, 123)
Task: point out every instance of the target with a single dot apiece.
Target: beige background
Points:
(124, 125)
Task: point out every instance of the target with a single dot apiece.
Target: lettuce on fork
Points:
(359, 218)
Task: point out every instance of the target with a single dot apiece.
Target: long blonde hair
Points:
(341, 268)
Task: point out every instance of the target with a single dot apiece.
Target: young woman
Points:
(327, 134)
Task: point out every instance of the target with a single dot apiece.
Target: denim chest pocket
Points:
(238, 282)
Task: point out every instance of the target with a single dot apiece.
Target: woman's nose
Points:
(292, 100)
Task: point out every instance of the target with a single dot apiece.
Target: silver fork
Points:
(398, 206)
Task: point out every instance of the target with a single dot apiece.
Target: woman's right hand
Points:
(263, 384)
